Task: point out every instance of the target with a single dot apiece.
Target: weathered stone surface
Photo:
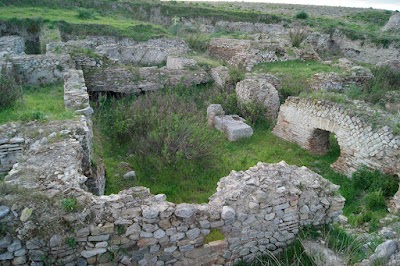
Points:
(321, 255)
(129, 175)
(11, 45)
(393, 24)
(25, 214)
(259, 91)
(233, 127)
(15, 245)
(384, 251)
(184, 210)
(308, 123)
(141, 79)
(93, 252)
(221, 76)
(4, 210)
(174, 62)
(228, 213)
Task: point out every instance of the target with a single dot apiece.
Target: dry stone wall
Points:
(39, 69)
(258, 211)
(308, 123)
(11, 45)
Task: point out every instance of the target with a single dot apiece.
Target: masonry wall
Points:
(361, 141)
(258, 211)
(40, 69)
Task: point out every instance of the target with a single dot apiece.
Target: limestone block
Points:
(174, 62)
(220, 76)
(212, 111)
(233, 127)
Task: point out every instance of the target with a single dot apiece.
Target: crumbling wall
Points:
(258, 211)
(135, 80)
(11, 45)
(362, 140)
(40, 69)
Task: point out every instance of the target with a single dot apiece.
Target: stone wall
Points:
(258, 211)
(150, 53)
(39, 69)
(362, 142)
(135, 80)
(10, 152)
(76, 98)
(11, 45)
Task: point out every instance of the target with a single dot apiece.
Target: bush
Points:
(385, 80)
(236, 73)
(302, 15)
(198, 42)
(297, 36)
(10, 91)
(86, 14)
(375, 200)
(165, 127)
(375, 181)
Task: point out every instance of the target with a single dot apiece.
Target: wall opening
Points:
(319, 141)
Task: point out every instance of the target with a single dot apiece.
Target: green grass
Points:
(297, 69)
(295, 75)
(214, 235)
(71, 21)
(38, 103)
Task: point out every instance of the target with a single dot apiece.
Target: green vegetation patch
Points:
(71, 21)
(38, 103)
(214, 235)
(295, 75)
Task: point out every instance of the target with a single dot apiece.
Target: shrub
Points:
(375, 181)
(385, 80)
(10, 91)
(198, 42)
(302, 15)
(236, 73)
(163, 126)
(69, 204)
(252, 112)
(86, 14)
(297, 36)
(375, 200)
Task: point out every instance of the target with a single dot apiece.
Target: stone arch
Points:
(308, 122)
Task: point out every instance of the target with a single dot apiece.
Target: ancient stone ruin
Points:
(257, 211)
(233, 126)
(309, 122)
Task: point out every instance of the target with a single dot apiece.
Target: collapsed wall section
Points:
(362, 140)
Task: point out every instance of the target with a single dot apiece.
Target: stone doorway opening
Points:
(323, 142)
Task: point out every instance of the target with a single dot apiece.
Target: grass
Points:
(303, 69)
(72, 21)
(198, 183)
(38, 103)
(295, 75)
(214, 235)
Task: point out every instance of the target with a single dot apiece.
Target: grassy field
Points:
(83, 21)
(38, 103)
